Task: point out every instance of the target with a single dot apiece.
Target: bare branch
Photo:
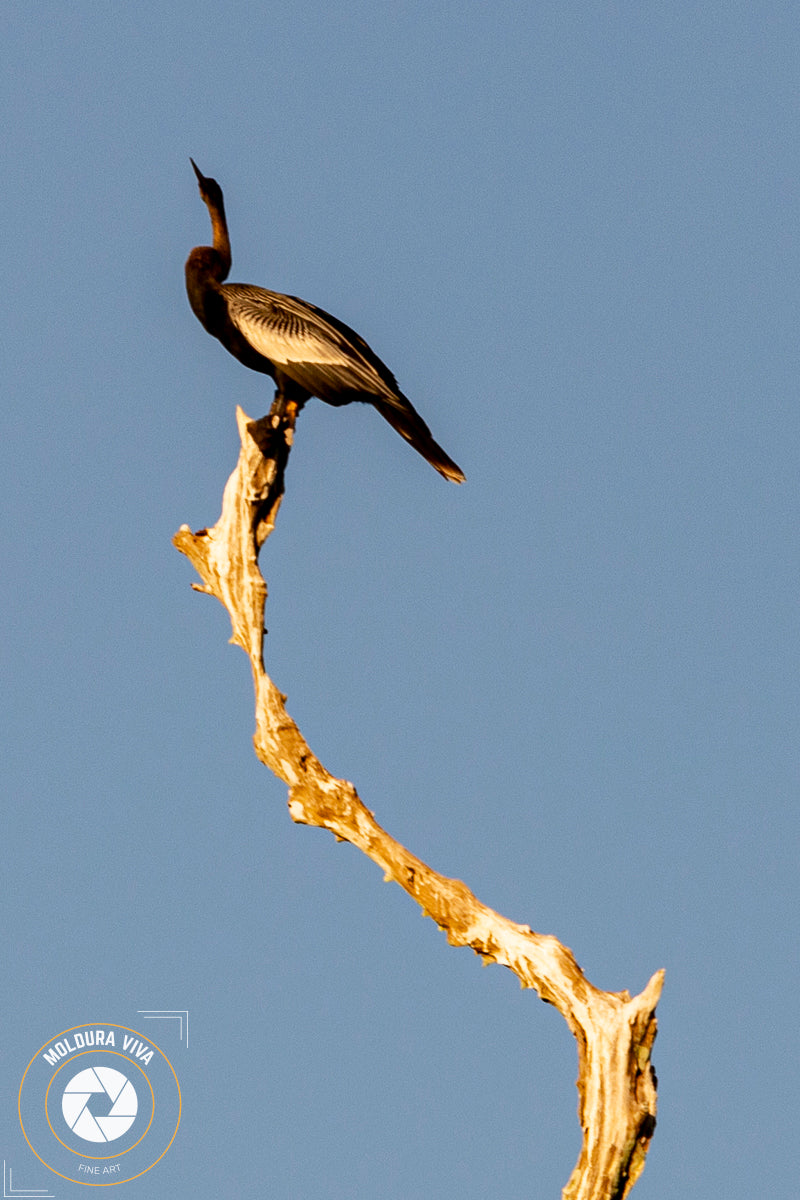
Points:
(614, 1032)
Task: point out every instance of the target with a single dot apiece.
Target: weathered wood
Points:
(614, 1032)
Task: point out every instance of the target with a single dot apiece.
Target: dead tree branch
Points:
(614, 1032)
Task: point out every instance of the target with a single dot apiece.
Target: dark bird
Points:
(305, 350)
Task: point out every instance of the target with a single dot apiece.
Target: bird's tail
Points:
(410, 425)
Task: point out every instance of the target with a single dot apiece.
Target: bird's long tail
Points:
(410, 425)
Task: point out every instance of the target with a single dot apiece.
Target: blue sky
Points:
(570, 230)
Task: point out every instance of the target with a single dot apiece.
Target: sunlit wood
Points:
(614, 1032)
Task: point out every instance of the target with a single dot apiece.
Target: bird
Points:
(303, 348)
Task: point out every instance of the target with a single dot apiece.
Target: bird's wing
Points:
(292, 333)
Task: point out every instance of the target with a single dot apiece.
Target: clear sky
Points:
(570, 229)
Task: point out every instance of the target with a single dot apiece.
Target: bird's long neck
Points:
(222, 242)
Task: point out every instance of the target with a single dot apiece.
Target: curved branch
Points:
(614, 1032)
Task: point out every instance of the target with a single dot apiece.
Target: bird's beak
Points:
(200, 177)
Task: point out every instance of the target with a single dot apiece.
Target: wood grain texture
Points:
(614, 1032)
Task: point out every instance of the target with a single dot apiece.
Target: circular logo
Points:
(99, 1104)
(120, 1094)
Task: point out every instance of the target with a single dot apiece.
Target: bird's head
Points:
(210, 190)
(220, 264)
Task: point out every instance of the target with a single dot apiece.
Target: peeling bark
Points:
(614, 1032)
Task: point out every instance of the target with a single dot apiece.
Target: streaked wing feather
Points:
(290, 331)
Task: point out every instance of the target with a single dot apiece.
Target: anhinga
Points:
(305, 350)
